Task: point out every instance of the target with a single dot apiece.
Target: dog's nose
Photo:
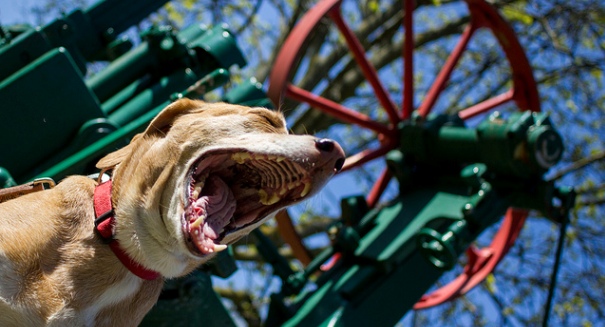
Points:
(325, 145)
(333, 149)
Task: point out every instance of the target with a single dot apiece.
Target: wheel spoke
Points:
(446, 71)
(364, 156)
(486, 105)
(289, 235)
(335, 109)
(408, 60)
(379, 186)
(368, 70)
(286, 62)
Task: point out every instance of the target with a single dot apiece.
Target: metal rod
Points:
(378, 188)
(486, 105)
(335, 109)
(446, 71)
(408, 60)
(367, 69)
(555, 271)
(364, 156)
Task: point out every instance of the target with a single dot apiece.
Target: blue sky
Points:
(12, 12)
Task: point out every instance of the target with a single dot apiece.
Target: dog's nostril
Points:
(325, 145)
(338, 164)
(332, 152)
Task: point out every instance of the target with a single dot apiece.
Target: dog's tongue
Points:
(217, 205)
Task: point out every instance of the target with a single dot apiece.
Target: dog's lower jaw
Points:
(152, 244)
(145, 226)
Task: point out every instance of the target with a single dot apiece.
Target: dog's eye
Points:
(272, 121)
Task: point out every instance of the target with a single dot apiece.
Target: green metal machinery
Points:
(454, 183)
(60, 113)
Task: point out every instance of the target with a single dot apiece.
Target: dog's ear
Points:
(114, 158)
(163, 121)
(158, 126)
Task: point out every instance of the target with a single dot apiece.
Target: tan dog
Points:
(199, 178)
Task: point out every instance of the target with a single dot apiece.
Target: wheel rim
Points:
(523, 93)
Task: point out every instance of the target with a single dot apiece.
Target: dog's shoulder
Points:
(37, 217)
(77, 187)
(37, 228)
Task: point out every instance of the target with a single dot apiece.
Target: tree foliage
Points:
(565, 43)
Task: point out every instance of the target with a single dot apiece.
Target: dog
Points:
(200, 177)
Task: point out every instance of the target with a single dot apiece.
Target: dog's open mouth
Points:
(227, 191)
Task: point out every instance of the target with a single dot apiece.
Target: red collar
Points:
(105, 223)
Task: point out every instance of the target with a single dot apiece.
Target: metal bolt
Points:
(468, 209)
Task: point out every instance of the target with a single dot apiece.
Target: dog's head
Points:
(203, 175)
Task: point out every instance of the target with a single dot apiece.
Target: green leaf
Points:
(571, 105)
(490, 283)
(373, 6)
(515, 14)
(188, 4)
(597, 73)
(173, 14)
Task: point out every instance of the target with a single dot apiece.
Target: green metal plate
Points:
(392, 239)
(188, 301)
(39, 121)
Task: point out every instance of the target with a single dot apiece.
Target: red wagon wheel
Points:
(523, 93)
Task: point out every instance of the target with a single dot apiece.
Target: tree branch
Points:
(249, 253)
(578, 164)
(250, 17)
(243, 303)
(590, 202)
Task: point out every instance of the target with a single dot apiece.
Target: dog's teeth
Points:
(220, 247)
(240, 157)
(293, 185)
(306, 190)
(283, 190)
(266, 199)
(274, 199)
(198, 221)
(263, 196)
(197, 189)
(280, 159)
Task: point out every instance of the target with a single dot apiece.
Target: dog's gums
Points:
(227, 191)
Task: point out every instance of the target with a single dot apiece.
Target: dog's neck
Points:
(104, 225)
